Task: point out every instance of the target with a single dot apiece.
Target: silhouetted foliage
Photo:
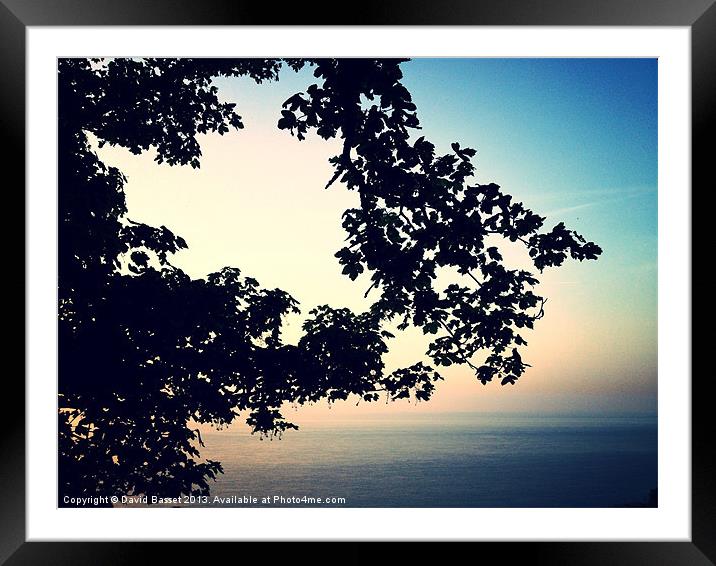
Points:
(145, 350)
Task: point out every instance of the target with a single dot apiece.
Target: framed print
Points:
(419, 276)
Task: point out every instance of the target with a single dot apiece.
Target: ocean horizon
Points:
(440, 460)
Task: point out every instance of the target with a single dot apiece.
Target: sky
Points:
(574, 139)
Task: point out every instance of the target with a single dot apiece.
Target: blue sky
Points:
(598, 117)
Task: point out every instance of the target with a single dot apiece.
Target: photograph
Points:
(420, 282)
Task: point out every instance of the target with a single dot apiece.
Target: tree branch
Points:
(365, 295)
(462, 355)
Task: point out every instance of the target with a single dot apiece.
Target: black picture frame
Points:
(699, 15)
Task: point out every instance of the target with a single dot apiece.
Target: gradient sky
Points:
(574, 139)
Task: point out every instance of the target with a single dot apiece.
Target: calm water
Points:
(453, 461)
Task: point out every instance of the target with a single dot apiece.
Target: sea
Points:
(441, 460)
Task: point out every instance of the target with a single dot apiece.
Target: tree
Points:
(145, 349)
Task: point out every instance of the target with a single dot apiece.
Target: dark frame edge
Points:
(703, 98)
(371, 12)
(12, 118)
(702, 549)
